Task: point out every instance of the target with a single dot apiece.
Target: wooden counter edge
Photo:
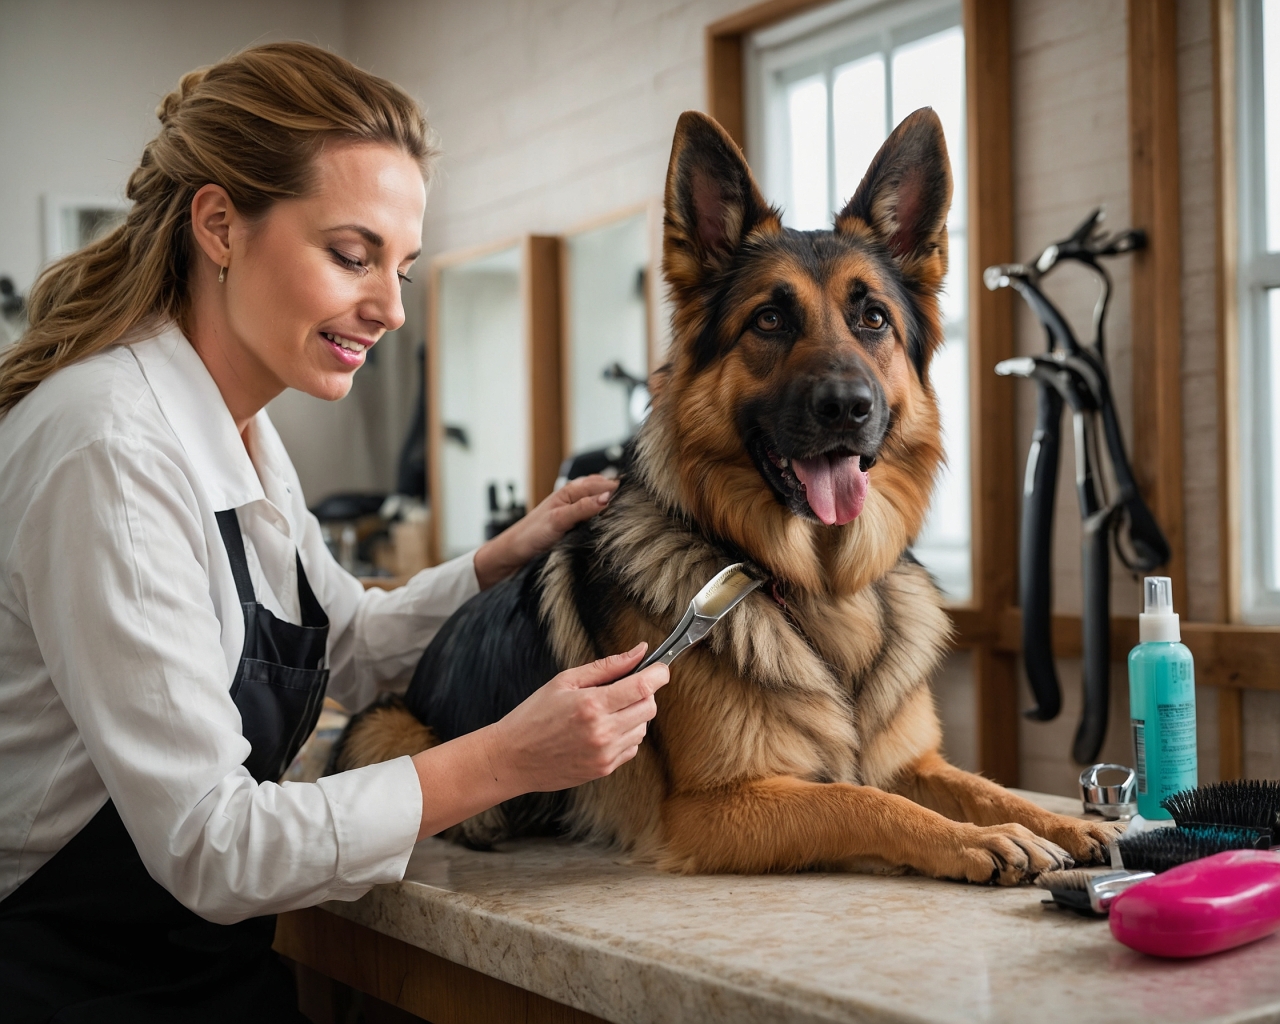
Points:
(410, 978)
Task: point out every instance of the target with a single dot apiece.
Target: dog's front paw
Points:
(1004, 855)
(1086, 841)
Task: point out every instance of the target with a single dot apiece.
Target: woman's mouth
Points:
(350, 351)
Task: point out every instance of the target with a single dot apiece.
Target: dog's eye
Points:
(769, 320)
(874, 319)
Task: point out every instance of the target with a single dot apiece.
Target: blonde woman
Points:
(169, 616)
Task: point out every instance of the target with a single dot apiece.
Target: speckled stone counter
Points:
(633, 945)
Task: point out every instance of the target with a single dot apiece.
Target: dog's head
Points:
(797, 402)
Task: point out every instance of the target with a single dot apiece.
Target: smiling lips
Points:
(349, 350)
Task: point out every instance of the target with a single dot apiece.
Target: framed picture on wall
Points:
(72, 222)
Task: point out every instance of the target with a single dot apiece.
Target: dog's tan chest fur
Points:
(829, 688)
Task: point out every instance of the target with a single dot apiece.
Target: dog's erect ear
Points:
(906, 193)
(712, 202)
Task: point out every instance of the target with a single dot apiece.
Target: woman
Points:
(169, 616)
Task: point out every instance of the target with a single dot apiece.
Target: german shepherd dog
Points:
(794, 428)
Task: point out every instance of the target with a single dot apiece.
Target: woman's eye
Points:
(873, 319)
(769, 320)
(350, 262)
(405, 278)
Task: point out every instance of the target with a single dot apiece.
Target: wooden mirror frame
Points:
(540, 305)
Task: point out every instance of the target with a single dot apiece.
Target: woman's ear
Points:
(212, 214)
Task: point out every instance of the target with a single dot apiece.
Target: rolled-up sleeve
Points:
(113, 565)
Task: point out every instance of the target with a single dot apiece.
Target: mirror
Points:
(482, 398)
(493, 370)
(607, 287)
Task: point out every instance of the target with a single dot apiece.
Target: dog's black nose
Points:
(843, 402)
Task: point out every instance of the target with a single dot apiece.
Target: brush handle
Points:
(1209, 905)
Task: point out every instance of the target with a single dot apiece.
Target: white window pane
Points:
(943, 546)
(930, 73)
(1273, 359)
(857, 106)
(1271, 115)
(807, 113)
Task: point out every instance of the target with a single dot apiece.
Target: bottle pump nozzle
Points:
(1158, 621)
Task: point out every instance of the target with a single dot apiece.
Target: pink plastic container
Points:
(1203, 907)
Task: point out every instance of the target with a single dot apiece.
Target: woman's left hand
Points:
(539, 530)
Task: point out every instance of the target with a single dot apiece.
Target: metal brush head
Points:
(721, 594)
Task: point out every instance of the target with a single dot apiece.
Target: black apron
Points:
(92, 937)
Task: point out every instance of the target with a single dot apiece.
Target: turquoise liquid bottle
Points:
(1162, 702)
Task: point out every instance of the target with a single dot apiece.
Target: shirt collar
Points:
(192, 404)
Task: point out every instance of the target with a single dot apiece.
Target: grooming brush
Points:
(1248, 802)
(1088, 892)
(1163, 848)
(718, 598)
(1214, 904)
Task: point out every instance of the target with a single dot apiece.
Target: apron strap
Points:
(229, 526)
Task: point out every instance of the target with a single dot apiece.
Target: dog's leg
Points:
(386, 729)
(787, 824)
(964, 796)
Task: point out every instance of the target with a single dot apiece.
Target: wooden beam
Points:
(541, 279)
(1155, 198)
(1228, 655)
(1228, 245)
(1230, 733)
(993, 461)
(724, 47)
(410, 978)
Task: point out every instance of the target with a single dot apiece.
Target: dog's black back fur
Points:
(489, 656)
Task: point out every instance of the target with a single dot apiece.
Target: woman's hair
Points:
(253, 124)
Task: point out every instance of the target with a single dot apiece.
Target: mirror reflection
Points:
(606, 332)
(483, 395)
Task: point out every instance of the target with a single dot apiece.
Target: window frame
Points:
(820, 43)
(1257, 271)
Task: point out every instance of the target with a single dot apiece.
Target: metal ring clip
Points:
(1111, 799)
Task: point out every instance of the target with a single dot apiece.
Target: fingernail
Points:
(603, 498)
(641, 646)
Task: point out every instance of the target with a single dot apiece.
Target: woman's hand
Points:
(538, 531)
(579, 726)
(576, 728)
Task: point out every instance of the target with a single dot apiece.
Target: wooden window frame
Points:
(993, 472)
(1230, 656)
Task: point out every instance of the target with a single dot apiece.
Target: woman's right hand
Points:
(578, 727)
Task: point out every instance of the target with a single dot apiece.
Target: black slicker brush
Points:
(1163, 848)
(1251, 803)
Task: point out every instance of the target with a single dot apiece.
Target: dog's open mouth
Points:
(830, 486)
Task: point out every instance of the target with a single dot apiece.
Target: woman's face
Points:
(315, 282)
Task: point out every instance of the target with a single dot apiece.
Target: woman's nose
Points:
(385, 304)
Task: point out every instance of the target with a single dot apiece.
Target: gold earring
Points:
(222, 275)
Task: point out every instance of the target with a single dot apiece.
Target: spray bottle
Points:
(1162, 702)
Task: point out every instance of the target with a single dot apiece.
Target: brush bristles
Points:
(1165, 848)
(1074, 879)
(1251, 803)
(725, 588)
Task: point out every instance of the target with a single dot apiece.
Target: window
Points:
(1258, 282)
(823, 91)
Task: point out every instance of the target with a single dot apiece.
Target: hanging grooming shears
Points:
(1076, 375)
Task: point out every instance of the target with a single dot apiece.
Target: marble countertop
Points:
(633, 945)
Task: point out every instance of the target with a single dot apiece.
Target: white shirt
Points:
(121, 630)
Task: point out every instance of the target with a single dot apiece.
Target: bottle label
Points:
(1140, 752)
(1177, 745)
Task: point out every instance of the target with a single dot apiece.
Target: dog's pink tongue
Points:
(834, 485)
